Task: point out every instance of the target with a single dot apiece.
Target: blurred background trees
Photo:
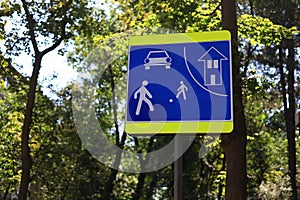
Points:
(268, 44)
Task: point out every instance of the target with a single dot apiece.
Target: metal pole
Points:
(178, 168)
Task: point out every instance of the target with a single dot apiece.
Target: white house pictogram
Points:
(212, 60)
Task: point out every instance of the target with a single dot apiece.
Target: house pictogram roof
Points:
(212, 54)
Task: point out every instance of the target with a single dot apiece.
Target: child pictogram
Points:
(181, 90)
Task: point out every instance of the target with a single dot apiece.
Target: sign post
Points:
(178, 190)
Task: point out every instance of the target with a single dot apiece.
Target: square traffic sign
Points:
(180, 83)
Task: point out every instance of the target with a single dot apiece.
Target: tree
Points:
(54, 21)
(286, 81)
(63, 169)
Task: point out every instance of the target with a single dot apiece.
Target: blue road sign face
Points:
(186, 82)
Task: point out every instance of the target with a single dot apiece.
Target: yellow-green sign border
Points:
(180, 38)
(178, 127)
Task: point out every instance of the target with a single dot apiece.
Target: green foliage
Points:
(10, 126)
(11, 117)
(63, 169)
(206, 17)
(7, 8)
(266, 141)
(48, 20)
(259, 30)
(179, 16)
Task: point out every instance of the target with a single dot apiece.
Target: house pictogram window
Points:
(216, 64)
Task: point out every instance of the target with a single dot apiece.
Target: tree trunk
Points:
(38, 55)
(235, 144)
(25, 150)
(290, 117)
(141, 180)
(6, 191)
(150, 191)
(109, 186)
(288, 98)
(221, 185)
(139, 187)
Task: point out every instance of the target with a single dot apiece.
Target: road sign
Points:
(179, 83)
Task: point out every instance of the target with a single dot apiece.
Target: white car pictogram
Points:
(157, 58)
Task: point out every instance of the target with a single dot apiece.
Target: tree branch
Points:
(114, 104)
(31, 22)
(54, 46)
(63, 30)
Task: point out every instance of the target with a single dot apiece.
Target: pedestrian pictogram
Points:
(179, 83)
(143, 97)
